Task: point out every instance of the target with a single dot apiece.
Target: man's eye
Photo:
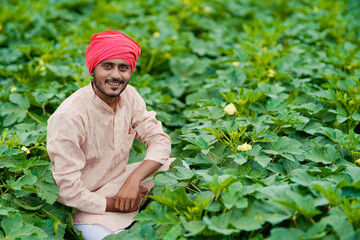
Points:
(124, 67)
(107, 65)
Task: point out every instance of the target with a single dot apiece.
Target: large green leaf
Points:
(286, 147)
(14, 228)
(16, 110)
(327, 154)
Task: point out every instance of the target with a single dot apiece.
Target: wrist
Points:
(110, 202)
(134, 179)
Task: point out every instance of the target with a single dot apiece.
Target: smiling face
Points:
(111, 78)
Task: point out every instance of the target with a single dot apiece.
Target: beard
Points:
(111, 95)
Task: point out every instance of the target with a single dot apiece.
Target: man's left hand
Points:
(129, 197)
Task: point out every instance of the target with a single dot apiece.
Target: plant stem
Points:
(215, 156)
(223, 133)
(213, 162)
(194, 186)
(337, 147)
(151, 62)
(37, 120)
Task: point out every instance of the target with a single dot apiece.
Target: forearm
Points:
(146, 168)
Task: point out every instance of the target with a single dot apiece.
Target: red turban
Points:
(110, 45)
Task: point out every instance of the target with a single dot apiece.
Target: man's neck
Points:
(111, 101)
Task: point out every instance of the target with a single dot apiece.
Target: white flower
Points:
(156, 34)
(357, 161)
(271, 73)
(235, 64)
(207, 9)
(25, 149)
(230, 109)
(245, 147)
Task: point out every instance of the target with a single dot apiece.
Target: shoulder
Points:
(75, 105)
(131, 92)
(132, 96)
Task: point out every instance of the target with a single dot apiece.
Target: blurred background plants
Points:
(291, 70)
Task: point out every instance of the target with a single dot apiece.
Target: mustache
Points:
(112, 80)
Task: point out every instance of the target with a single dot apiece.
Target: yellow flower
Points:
(316, 9)
(230, 109)
(271, 73)
(156, 34)
(25, 149)
(13, 89)
(0, 27)
(41, 64)
(357, 161)
(207, 9)
(245, 147)
(174, 38)
(235, 64)
(186, 2)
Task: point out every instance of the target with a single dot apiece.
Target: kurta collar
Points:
(99, 102)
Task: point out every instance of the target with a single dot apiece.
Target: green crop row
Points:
(260, 97)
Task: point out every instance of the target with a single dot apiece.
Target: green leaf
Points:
(22, 181)
(220, 224)
(300, 176)
(192, 227)
(285, 234)
(142, 232)
(326, 154)
(15, 111)
(47, 191)
(304, 205)
(354, 172)
(328, 191)
(3, 148)
(286, 147)
(29, 203)
(269, 211)
(173, 232)
(213, 113)
(62, 71)
(14, 228)
(233, 196)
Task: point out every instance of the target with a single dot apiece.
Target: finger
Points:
(127, 205)
(122, 205)
(133, 204)
(117, 203)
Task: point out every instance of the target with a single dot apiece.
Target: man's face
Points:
(111, 77)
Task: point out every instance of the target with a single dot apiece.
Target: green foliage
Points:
(290, 68)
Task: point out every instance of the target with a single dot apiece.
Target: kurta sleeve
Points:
(64, 139)
(149, 131)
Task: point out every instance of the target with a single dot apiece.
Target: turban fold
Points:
(110, 45)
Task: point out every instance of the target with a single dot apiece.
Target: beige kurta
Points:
(89, 146)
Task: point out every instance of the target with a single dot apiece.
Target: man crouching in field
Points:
(90, 136)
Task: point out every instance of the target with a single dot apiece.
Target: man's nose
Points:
(116, 74)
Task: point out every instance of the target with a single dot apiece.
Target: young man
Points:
(90, 136)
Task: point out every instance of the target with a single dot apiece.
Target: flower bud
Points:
(230, 109)
(245, 147)
(25, 149)
(271, 73)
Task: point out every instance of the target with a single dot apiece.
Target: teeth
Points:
(115, 84)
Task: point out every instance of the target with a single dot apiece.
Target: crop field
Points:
(260, 97)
